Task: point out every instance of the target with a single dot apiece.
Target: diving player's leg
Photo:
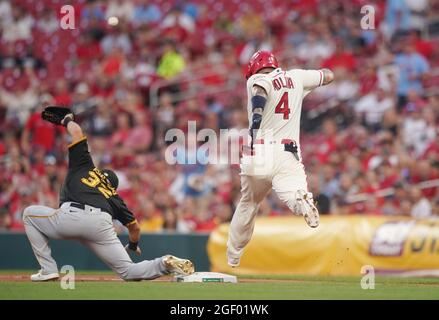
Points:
(40, 225)
(291, 186)
(253, 191)
(114, 255)
(107, 246)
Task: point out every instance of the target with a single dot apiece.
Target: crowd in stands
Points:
(369, 140)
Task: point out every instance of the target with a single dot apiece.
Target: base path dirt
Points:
(16, 277)
(92, 278)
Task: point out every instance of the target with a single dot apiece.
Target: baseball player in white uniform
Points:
(273, 159)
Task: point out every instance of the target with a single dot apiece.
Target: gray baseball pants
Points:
(93, 228)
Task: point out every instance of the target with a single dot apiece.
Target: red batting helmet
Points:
(260, 60)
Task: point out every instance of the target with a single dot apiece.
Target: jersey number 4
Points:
(282, 106)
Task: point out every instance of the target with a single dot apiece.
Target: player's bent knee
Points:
(246, 198)
(249, 201)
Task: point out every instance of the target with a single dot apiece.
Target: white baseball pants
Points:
(279, 171)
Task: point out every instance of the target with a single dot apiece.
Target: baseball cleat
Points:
(308, 209)
(44, 277)
(233, 262)
(178, 266)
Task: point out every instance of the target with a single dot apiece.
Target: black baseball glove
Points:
(55, 114)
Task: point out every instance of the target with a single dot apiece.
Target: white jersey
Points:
(285, 91)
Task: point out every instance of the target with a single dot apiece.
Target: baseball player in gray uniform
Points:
(88, 204)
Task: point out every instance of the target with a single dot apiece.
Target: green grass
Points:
(299, 287)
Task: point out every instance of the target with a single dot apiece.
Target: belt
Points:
(86, 208)
(77, 205)
(289, 146)
(283, 141)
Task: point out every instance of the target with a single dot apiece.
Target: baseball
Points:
(113, 21)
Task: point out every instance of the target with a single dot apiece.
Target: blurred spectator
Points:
(405, 207)
(151, 219)
(412, 68)
(88, 49)
(397, 16)
(5, 12)
(224, 22)
(330, 182)
(344, 190)
(385, 153)
(140, 136)
(347, 88)
(323, 201)
(191, 9)
(165, 114)
(423, 171)
(423, 46)
(389, 208)
(418, 133)
(93, 10)
(82, 98)
(116, 39)
(250, 24)
(313, 50)
(62, 94)
(172, 222)
(20, 103)
(177, 24)
(48, 22)
(171, 63)
(373, 106)
(341, 58)
(146, 13)
(39, 133)
(5, 221)
(295, 36)
(19, 27)
(326, 141)
(121, 9)
(418, 11)
(122, 129)
(421, 206)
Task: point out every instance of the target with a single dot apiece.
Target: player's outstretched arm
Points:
(328, 76)
(312, 79)
(73, 128)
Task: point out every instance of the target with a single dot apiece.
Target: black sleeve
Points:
(79, 156)
(121, 211)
